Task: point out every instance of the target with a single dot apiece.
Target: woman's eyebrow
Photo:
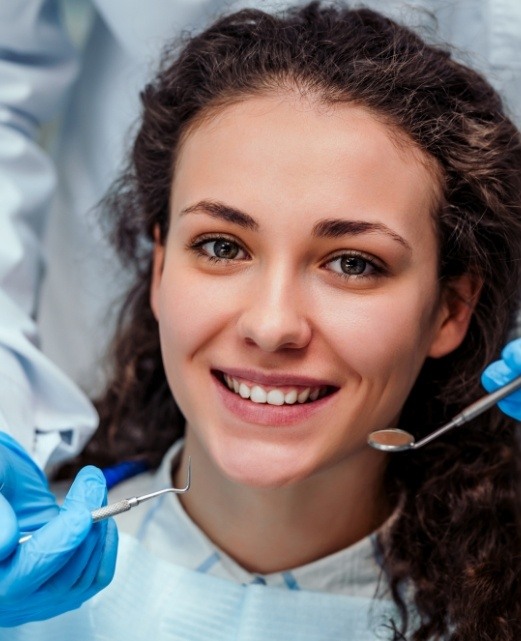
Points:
(224, 212)
(337, 227)
(330, 228)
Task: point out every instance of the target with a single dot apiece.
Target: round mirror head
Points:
(391, 440)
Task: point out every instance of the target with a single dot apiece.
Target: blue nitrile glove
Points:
(503, 371)
(68, 559)
(24, 487)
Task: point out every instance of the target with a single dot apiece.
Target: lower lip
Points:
(266, 414)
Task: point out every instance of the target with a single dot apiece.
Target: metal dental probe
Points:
(127, 504)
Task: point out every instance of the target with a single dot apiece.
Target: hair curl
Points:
(457, 538)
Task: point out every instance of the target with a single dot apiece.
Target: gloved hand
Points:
(503, 371)
(24, 487)
(68, 559)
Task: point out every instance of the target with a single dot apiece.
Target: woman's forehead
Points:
(292, 151)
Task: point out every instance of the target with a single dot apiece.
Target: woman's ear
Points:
(458, 301)
(158, 260)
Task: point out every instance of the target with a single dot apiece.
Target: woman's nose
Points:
(274, 317)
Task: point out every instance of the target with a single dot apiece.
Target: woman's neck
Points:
(270, 530)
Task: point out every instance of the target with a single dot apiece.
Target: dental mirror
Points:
(396, 440)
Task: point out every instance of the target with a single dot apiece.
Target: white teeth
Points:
(291, 397)
(304, 395)
(275, 397)
(258, 394)
(243, 390)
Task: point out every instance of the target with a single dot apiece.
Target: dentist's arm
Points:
(39, 405)
(68, 558)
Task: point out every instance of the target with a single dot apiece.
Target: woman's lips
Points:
(273, 394)
(267, 404)
(272, 379)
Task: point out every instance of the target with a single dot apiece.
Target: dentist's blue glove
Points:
(68, 559)
(503, 371)
(25, 500)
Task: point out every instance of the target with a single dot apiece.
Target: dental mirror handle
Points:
(474, 409)
(487, 401)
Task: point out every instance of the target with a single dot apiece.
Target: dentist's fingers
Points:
(65, 562)
(500, 373)
(512, 356)
(9, 532)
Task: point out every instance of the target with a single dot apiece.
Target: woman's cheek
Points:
(193, 307)
(376, 332)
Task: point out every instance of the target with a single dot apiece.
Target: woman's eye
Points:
(220, 249)
(353, 265)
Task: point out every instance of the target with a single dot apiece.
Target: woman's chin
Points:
(265, 480)
(262, 470)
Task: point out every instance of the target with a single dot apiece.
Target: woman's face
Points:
(296, 292)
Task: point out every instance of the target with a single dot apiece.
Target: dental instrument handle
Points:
(115, 508)
(487, 401)
(120, 506)
(456, 422)
(475, 409)
(127, 504)
(102, 513)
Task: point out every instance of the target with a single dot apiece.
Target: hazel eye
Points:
(351, 265)
(221, 249)
(224, 248)
(354, 265)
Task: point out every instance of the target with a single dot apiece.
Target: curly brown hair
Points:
(457, 537)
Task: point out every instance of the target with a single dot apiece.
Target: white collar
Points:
(167, 531)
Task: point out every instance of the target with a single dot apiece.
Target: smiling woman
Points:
(298, 280)
(322, 215)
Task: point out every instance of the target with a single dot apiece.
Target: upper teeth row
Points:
(258, 394)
